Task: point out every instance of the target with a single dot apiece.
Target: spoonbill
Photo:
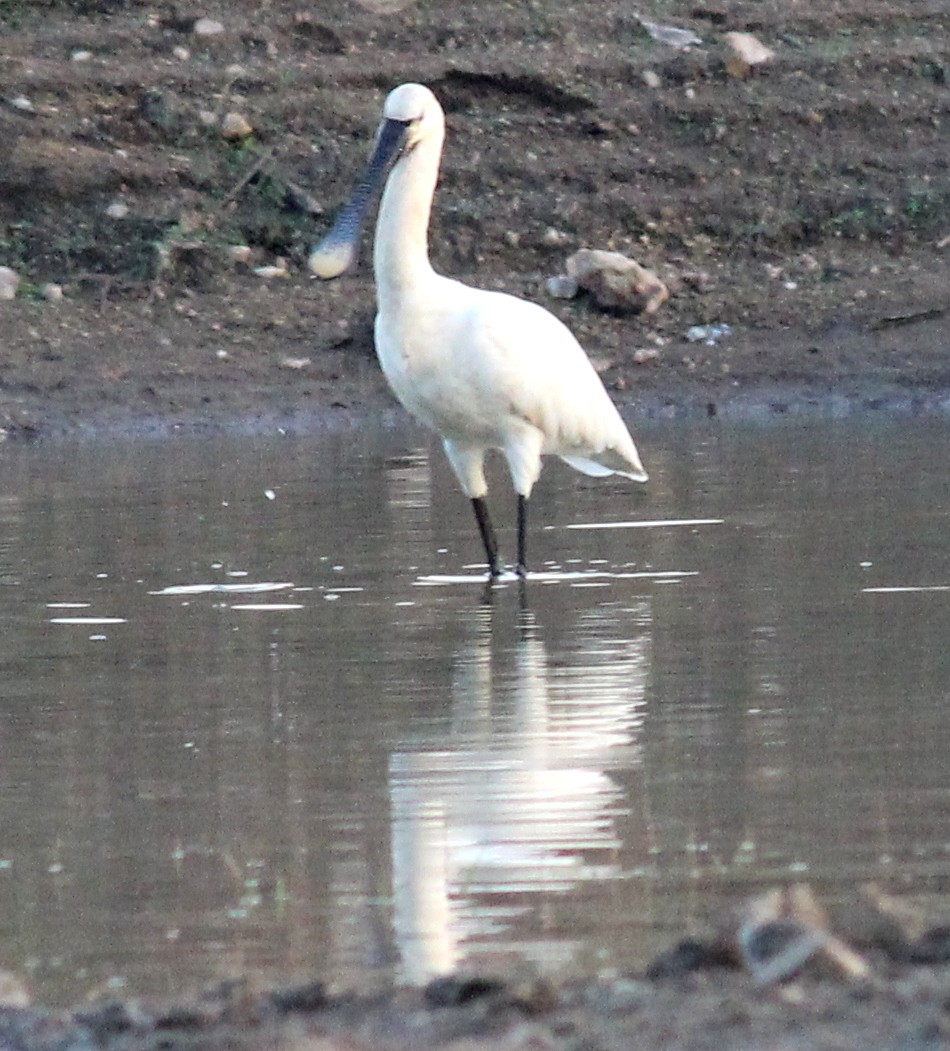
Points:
(484, 370)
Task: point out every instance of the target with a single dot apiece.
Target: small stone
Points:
(51, 292)
(22, 103)
(80, 56)
(294, 363)
(181, 53)
(269, 272)
(561, 287)
(749, 49)
(239, 254)
(117, 210)
(207, 27)
(673, 36)
(707, 334)
(13, 993)
(651, 79)
(235, 126)
(9, 282)
(553, 238)
(645, 354)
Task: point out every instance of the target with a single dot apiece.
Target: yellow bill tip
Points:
(330, 260)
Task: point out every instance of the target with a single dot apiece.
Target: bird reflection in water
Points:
(516, 802)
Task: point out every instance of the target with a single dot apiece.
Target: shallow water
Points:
(257, 713)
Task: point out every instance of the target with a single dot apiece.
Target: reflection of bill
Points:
(515, 802)
(385, 7)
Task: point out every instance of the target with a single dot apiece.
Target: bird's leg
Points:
(522, 568)
(487, 534)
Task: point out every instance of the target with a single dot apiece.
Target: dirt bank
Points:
(804, 204)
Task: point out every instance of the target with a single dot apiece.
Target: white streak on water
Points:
(267, 607)
(88, 620)
(656, 523)
(904, 589)
(201, 589)
(551, 577)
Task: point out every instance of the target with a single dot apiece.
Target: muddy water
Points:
(256, 713)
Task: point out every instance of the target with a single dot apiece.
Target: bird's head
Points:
(411, 115)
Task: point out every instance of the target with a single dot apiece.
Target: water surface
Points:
(257, 715)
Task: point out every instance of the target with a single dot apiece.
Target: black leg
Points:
(522, 568)
(487, 534)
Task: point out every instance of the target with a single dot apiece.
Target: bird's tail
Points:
(633, 470)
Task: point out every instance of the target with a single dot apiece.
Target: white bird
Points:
(485, 370)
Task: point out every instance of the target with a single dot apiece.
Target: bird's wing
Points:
(526, 356)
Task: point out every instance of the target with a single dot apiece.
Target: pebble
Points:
(207, 27)
(235, 126)
(749, 49)
(181, 53)
(651, 79)
(707, 334)
(51, 292)
(553, 238)
(80, 56)
(271, 271)
(239, 254)
(22, 103)
(9, 282)
(561, 287)
(117, 210)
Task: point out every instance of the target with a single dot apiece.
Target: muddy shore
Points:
(803, 202)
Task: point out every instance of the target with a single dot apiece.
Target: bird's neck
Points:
(401, 248)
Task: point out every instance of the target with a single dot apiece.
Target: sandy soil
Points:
(805, 203)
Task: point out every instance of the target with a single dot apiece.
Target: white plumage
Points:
(485, 370)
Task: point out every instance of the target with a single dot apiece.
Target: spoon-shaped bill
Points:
(337, 252)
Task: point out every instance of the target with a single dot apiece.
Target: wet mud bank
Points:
(85, 371)
(165, 176)
(714, 1008)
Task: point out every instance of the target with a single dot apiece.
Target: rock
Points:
(777, 935)
(80, 56)
(708, 334)
(117, 210)
(13, 993)
(235, 126)
(277, 270)
(554, 238)
(651, 79)
(239, 254)
(9, 282)
(207, 27)
(561, 287)
(22, 103)
(616, 281)
(51, 292)
(747, 51)
(181, 53)
(673, 36)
